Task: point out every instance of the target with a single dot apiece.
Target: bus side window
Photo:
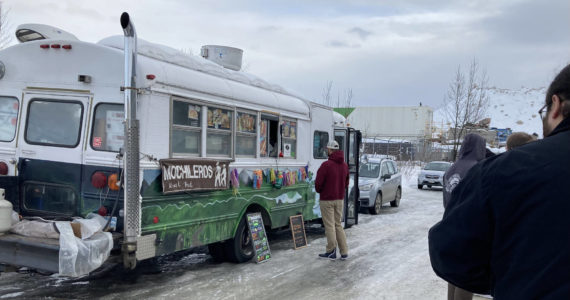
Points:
(268, 139)
(8, 118)
(289, 138)
(108, 130)
(320, 141)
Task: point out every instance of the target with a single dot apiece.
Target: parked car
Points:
(379, 182)
(432, 174)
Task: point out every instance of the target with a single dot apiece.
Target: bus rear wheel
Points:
(240, 248)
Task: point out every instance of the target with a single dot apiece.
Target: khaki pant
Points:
(455, 293)
(331, 212)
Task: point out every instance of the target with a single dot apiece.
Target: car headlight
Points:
(366, 187)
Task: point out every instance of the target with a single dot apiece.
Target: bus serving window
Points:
(320, 141)
(219, 139)
(246, 134)
(52, 122)
(108, 129)
(289, 138)
(186, 128)
(268, 139)
(8, 118)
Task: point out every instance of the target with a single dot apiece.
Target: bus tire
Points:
(240, 248)
(218, 251)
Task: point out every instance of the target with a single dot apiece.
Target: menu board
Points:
(258, 237)
(246, 122)
(289, 129)
(298, 231)
(263, 138)
(219, 118)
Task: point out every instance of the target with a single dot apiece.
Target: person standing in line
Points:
(472, 151)
(331, 183)
(506, 229)
(518, 139)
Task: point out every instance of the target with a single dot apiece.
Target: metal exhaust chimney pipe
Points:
(132, 214)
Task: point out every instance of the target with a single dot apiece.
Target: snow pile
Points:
(515, 109)
(198, 63)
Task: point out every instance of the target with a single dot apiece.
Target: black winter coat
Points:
(506, 230)
(472, 151)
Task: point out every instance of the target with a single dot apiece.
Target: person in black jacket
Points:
(472, 151)
(506, 229)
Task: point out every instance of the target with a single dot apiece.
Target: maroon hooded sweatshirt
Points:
(332, 177)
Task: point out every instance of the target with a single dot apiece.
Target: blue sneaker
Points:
(329, 255)
(344, 257)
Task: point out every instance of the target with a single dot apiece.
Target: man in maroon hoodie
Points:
(331, 182)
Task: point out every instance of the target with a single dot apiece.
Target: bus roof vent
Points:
(33, 32)
(227, 57)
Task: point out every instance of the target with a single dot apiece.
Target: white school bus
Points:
(177, 147)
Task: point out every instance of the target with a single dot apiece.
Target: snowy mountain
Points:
(515, 109)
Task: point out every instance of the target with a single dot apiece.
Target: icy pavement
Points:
(388, 260)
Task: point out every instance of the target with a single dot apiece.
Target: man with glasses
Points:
(506, 229)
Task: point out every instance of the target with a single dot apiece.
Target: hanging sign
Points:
(179, 175)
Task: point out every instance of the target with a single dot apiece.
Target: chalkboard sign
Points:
(258, 237)
(298, 231)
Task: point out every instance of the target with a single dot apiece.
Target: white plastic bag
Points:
(78, 257)
(39, 229)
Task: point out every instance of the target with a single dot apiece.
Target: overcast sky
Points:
(387, 52)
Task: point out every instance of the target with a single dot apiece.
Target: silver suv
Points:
(379, 182)
(432, 174)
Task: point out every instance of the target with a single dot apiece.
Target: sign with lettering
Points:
(180, 175)
(298, 231)
(258, 237)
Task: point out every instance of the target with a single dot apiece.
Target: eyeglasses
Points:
(543, 110)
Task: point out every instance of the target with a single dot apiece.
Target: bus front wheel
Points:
(240, 248)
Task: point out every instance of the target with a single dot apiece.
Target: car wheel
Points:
(420, 186)
(240, 248)
(429, 186)
(377, 205)
(396, 201)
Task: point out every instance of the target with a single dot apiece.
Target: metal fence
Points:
(406, 149)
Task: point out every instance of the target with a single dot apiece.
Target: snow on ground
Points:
(388, 260)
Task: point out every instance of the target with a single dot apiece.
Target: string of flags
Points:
(271, 176)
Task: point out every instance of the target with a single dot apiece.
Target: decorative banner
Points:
(179, 175)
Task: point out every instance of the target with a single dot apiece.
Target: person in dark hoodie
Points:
(472, 151)
(506, 228)
(331, 183)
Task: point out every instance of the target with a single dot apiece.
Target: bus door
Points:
(50, 150)
(348, 140)
(9, 111)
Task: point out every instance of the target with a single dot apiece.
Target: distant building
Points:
(404, 122)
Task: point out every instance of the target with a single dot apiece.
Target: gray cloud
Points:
(532, 22)
(363, 34)
(341, 44)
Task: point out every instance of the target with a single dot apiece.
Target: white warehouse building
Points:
(404, 122)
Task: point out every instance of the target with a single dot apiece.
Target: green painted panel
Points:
(193, 219)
